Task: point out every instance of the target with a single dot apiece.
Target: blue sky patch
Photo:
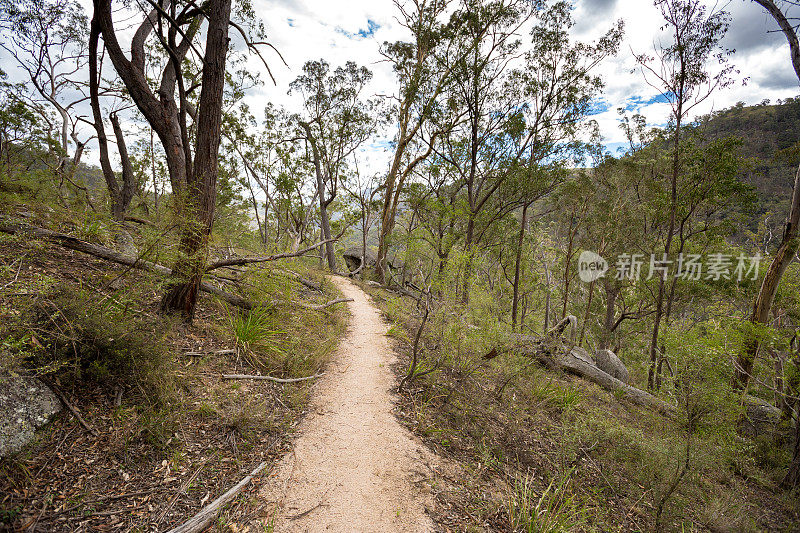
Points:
(363, 33)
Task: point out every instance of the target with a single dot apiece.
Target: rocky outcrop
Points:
(25, 404)
(608, 362)
(352, 257)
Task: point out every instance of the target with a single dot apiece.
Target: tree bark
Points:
(201, 196)
(325, 223)
(128, 179)
(112, 184)
(608, 324)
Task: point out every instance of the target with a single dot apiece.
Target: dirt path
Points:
(354, 468)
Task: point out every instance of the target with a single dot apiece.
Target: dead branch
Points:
(301, 280)
(412, 371)
(325, 305)
(270, 378)
(226, 351)
(201, 520)
(236, 261)
(108, 254)
(139, 220)
(75, 412)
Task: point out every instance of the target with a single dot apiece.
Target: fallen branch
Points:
(310, 284)
(108, 254)
(226, 351)
(303, 281)
(237, 261)
(201, 520)
(270, 378)
(325, 305)
(75, 413)
(138, 220)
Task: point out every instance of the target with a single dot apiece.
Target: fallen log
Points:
(201, 520)
(555, 353)
(96, 250)
(325, 305)
(270, 378)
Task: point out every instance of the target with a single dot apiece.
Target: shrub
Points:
(98, 338)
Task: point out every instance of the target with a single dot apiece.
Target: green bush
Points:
(101, 339)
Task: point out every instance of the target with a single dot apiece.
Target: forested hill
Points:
(769, 133)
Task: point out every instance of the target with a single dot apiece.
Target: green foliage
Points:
(554, 510)
(257, 334)
(99, 339)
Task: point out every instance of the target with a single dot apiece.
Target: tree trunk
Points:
(517, 261)
(586, 314)
(792, 478)
(181, 295)
(128, 179)
(766, 295)
(654, 353)
(325, 223)
(117, 212)
(608, 323)
(567, 262)
(389, 207)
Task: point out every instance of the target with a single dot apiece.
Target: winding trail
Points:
(353, 467)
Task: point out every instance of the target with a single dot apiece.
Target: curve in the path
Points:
(353, 467)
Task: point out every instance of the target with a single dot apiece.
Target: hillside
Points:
(768, 132)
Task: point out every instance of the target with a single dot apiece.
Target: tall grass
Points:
(554, 510)
(257, 336)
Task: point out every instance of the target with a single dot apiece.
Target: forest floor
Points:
(353, 466)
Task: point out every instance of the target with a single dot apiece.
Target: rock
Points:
(125, 243)
(352, 256)
(762, 418)
(25, 404)
(608, 362)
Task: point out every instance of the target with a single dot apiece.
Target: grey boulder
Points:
(608, 362)
(25, 404)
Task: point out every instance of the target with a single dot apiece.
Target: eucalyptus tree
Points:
(23, 137)
(46, 41)
(122, 193)
(559, 85)
(336, 120)
(787, 250)
(680, 71)
(439, 37)
(421, 78)
(185, 70)
(485, 147)
(365, 192)
(193, 177)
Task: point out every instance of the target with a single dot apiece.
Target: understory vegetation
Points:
(545, 451)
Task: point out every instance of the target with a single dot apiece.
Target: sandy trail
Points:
(354, 468)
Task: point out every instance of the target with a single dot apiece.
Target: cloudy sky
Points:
(354, 30)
